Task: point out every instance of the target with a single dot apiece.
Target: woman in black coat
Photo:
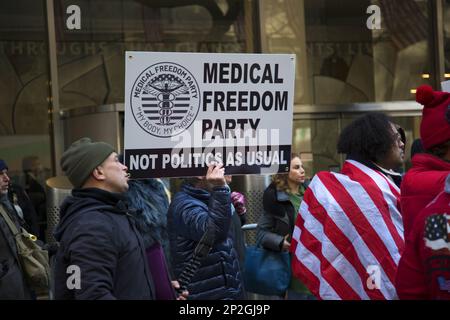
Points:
(281, 201)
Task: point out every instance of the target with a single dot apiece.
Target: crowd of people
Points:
(367, 232)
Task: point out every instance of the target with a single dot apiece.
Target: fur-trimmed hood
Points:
(150, 200)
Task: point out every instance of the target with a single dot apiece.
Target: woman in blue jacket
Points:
(204, 204)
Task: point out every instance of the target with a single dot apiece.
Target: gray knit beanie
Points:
(82, 157)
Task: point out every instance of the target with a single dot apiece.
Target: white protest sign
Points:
(185, 110)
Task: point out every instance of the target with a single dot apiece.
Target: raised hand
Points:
(216, 175)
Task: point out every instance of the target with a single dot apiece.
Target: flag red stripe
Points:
(343, 244)
(378, 199)
(306, 276)
(327, 271)
(363, 227)
(299, 270)
(394, 189)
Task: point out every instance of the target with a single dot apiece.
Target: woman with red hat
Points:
(424, 269)
(426, 178)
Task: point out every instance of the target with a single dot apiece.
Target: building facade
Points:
(62, 63)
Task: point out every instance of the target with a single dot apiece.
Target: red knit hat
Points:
(435, 125)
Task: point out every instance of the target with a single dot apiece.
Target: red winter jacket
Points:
(424, 269)
(420, 185)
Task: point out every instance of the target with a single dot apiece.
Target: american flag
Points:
(437, 232)
(347, 223)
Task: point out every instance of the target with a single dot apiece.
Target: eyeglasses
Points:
(397, 138)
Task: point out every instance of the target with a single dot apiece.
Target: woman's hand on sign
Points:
(216, 175)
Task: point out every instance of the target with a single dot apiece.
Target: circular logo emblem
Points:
(165, 99)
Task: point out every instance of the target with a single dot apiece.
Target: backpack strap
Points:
(14, 231)
(9, 221)
(13, 227)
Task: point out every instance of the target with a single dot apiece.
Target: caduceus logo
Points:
(165, 99)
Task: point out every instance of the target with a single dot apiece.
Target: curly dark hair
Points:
(369, 136)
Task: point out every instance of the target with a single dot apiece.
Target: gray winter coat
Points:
(277, 220)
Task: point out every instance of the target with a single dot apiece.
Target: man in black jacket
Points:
(101, 254)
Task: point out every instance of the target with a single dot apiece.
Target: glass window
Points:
(340, 59)
(24, 90)
(315, 140)
(91, 65)
(283, 31)
(350, 62)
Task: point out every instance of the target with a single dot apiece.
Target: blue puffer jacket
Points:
(190, 212)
